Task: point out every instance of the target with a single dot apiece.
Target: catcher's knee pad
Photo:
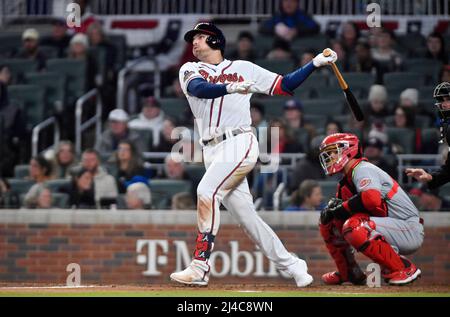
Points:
(357, 230)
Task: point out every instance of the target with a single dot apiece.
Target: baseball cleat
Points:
(299, 271)
(194, 274)
(405, 276)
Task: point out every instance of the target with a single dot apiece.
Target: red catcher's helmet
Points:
(336, 150)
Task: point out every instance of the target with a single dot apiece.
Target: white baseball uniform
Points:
(229, 161)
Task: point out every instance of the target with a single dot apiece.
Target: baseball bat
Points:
(349, 97)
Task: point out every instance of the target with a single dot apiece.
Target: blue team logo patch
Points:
(187, 74)
(364, 182)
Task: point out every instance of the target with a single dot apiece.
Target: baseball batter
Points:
(370, 213)
(219, 92)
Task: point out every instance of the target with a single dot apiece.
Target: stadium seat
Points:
(315, 82)
(328, 189)
(55, 89)
(195, 171)
(409, 43)
(20, 186)
(31, 99)
(359, 82)
(273, 107)
(60, 200)
(164, 189)
(11, 43)
(173, 107)
(75, 72)
(304, 93)
(427, 67)
(402, 80)
(430, 141)
(302, 137)
(20, 66)
(330, 93)
(329, 107)
(49, 51)
(21, 171)
(277, 66)
(317, 42)
(147, 138)
(55, 185)
(402, 136)
(420, 121)
(317, 120)
(263, 44)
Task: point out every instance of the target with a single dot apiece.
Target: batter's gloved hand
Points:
(321, 60)
(240, 87)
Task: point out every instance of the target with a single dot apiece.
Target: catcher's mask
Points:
(336, 150)
(442, 96)
(215, 40)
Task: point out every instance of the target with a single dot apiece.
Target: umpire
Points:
(438, 178)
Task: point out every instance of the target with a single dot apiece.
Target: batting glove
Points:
(240, 87)
(321, 60)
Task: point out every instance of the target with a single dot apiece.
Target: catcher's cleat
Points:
(332, 278)
(299, 271)
(356, 277)
(404, 276)
(197, 273)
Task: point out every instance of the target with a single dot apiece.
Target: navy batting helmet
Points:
(215, 40)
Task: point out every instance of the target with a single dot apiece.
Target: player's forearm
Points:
(292, 80)
(200, 88)
(369, 202)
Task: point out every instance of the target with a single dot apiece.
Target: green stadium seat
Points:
(402, 136)
(49, 51)
(401, 80)
(31, 99)
(420, 121)
(56, 185)
(11, 43)
(55, 89)
(302, 137)
(164, 189)
(273, 106)
(328, 107)
(328, 189)
(263, 44)
(277, 66)
(330, 93)
(21, 171)
(409, 43)
(195, 171)
(317, 43)
(75, 72)
(173, 107)
(60, 200)
(20, 66)
(315, 82)
(147, 138)
(304, 93)
(317, 120)
(20, 186)
(428, 67)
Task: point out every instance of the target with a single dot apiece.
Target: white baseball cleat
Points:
(197, 273)
(299, 271)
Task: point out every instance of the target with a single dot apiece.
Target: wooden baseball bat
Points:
(351, 100)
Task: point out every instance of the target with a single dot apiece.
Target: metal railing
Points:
(142, 64)
(80, 127)
(38, 128)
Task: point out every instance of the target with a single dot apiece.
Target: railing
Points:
(80, 127)
(142, 64)
(38, 128)
(426, 161)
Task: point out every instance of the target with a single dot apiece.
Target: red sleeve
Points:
(277, 89)
(369, 202)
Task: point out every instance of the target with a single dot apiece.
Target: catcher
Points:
(370, 213)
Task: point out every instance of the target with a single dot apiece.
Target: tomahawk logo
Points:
(154, 254)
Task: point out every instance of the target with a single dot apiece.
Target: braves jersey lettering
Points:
(229, 111)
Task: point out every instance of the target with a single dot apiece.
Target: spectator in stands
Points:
(436, 48)
(293, 113)
(116, 132)
(5, 75)
(349, 37)
(286, 142)
(404, 117)
(333, 127)
(65, 160)
(44, 199)
(138, 196)
(363, 61)
(281, 50)
(8, 198)
(245, 50)
(290, 22)
(306, 57)
(129, 165)
(307, 197)
(166, 142)
(79, 50)
(378, 100)
(105, 186)
(343, 58)
(444, 74)
(59, 39)
(30, 49)
(12, 129)
(429, 200)
(150, 118)
(389, 60)
(40, 172)
(81, 190)
(182, 201)
(174, 167)
(409, 98)
(257, 115)
(308, 167)
(373, 150)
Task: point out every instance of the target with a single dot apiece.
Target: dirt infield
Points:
(226, 290)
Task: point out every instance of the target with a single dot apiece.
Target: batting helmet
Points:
(442, 93)
(215, 40)
(336, 150)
